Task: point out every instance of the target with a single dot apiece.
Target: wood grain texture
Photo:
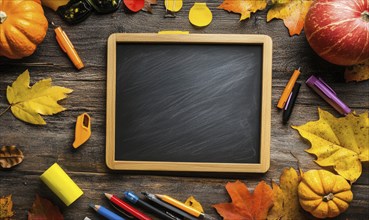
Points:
(42, 146)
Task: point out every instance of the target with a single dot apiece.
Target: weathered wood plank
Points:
(206, 190)
(45, 145)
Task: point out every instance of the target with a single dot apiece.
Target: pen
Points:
(106, 212)
(180, 205)
(170, 207)
(328, 94)
(287, 90)
(290, 103)
(68, 48)
(134, 199)
(127, 207)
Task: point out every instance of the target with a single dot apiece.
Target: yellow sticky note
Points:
(200, 15)
(61, 184)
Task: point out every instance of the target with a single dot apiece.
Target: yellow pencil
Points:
(180, 205)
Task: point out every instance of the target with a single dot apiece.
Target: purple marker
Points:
(327, 93)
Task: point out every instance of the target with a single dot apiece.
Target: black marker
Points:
(165, 205)
(134, 199)
(290, 103)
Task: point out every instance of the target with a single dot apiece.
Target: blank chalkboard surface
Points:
(188, 102)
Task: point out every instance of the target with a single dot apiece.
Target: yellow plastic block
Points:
(83, 130)
(61, 184)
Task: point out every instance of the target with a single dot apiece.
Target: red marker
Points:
(127, 207)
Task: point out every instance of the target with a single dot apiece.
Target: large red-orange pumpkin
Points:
(338, 30)
(22, 27)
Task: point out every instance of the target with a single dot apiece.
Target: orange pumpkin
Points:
(22, 27)
(324, 194)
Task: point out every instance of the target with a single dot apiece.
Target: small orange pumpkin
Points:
(324, 194)
(22, 27)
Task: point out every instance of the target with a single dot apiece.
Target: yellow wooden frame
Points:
(263, 40)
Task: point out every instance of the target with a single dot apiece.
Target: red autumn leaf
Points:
(245, 205)
(134, 5)
(43, 209)
(148, 4)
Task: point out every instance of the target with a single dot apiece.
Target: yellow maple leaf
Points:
(358, 72)
(292, 12)
(286, 201)
(6, 206)
(29, 103)
(339, 142)
(244, 7)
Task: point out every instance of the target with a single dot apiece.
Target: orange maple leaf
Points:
(244, 7)
(245, 205)
(292, 12)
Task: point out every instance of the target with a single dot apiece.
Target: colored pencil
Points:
(134, 199)
(106, 212)
(127, 207)
(170, 207)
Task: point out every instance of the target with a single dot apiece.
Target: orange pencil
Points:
(68, 47)
(288, 89)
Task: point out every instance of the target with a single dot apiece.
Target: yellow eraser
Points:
(61, 184)
(83, 130)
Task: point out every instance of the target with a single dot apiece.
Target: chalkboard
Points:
(188, 102)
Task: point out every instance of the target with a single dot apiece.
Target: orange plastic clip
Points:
(83, 130)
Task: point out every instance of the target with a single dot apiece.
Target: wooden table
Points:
(44, 145)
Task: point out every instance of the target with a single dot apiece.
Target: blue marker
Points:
(106, 212)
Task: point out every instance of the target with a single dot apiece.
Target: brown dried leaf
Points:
(357, 73)
(10, 156)
(44, 209)
(148, 4)
(6, 206)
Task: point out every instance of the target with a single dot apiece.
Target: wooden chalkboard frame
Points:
(263, 40)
